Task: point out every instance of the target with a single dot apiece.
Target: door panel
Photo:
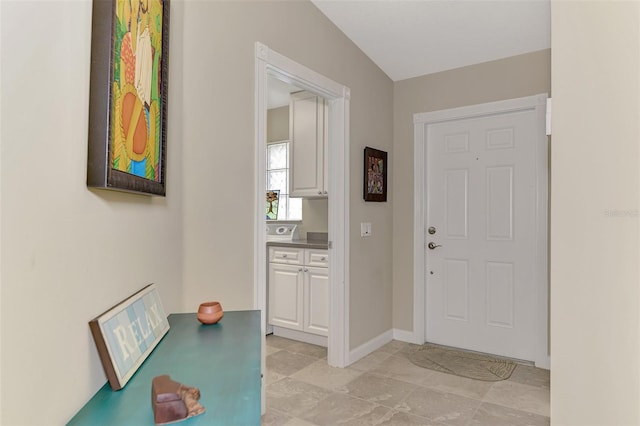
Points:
(499, 203)
(456, 196)
(456, 282)
(481, 198)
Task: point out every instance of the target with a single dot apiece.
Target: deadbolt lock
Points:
(431, 230)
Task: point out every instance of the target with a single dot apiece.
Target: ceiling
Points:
(412, 38)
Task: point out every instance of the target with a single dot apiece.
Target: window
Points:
(278, 179)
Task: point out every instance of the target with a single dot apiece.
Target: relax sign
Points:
(127, 333)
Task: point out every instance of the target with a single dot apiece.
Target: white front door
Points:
(481, 192)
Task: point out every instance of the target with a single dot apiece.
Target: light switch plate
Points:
(365, 229)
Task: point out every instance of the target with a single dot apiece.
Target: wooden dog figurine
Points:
(172, 401)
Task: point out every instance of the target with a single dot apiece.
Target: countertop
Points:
(312, 244)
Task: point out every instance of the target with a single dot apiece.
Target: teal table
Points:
(222, 360)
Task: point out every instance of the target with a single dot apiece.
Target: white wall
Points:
(595, 197)
(67, 253)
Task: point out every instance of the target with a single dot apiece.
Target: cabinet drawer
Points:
(288, 255)
(317, 257)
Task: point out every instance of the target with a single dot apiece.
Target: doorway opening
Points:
(272, 65)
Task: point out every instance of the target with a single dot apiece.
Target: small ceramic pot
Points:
(210, 312)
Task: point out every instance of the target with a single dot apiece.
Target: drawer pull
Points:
(323, 258)
(284, 255)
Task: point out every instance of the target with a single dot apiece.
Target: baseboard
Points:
(544, 363)
(405, 336)
(300, 336)
(370, 346)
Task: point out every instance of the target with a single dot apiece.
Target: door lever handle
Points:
(432, 246)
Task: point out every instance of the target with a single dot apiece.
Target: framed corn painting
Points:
(128, 96)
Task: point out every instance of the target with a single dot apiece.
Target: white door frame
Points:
(269, 62)
(421, 121)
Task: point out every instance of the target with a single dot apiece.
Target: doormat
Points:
(462, 363)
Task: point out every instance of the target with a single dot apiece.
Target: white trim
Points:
(418, 235)
(421, 121)
(301, 336)
(269, 62)
(370, 346)
(404, 336)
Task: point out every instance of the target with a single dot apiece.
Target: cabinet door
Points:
(316, 295)
(286, 295)
(306, 121)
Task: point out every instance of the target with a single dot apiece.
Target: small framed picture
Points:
(273, 197)
(375, 175)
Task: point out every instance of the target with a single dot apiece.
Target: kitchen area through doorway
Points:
(296, 214)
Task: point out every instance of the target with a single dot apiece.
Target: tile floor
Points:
(385, 388)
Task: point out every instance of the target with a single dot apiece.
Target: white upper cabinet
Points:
(308, 132)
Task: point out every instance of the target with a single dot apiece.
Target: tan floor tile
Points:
(462, 386)
(274, 418)
(321, 374)
(286, 363)
(271, 376)
(345, 410)
(379, 390)
(520, 397)
(268, 350)
(370, 361)
(408, 350)
(402, 369)
(442, 407)
(299, 422)
(279, 342)
(531, 376)
(308, 349)
(294, 397)
(497, 415)
(398, 418)
(385, 388)
(394, 346)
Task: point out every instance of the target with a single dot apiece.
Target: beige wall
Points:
(218, 140)
(514, 77)
(278, 124)
(68, 253)
(595, 197)
(315, 216)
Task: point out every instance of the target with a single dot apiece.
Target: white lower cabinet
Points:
(286, 296)
(298, 292)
